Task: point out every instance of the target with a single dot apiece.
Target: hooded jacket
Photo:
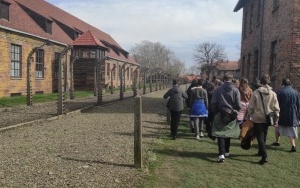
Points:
(176, 95)
(255, 107)
(227, 96)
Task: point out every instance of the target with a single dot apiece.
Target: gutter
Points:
(32, 35)
(262, 5)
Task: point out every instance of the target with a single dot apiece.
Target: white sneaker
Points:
(197, 137)
(226, 154)
(201, 134)
(221, 159)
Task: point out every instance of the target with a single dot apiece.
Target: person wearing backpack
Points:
(225, 105)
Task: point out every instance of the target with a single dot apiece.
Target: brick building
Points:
(34, 33)
(270, 40)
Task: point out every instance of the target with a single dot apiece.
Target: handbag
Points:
(269, 117)
(248, 139)
(227, 115)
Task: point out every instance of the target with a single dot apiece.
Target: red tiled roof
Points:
(227, 65)
(20, 19)
(87, 39)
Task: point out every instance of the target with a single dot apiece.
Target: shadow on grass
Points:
(209, 157)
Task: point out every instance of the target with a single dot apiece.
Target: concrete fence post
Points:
(138, 132)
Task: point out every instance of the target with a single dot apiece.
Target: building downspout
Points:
(262, 7)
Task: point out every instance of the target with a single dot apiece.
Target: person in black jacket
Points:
(226, 97)
(175, 105)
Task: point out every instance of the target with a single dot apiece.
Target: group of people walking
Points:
(223, 106)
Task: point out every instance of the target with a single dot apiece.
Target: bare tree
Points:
(155, 55)
(207, 55)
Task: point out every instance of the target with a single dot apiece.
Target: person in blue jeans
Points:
(175, 105)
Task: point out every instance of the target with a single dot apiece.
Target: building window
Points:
(258, 13)
(4, 10)
(249, 66)
(255, 64)
(128, 73)
(56, 61)
(273, 58)
(15, 63)
(119, 71)
(275, 4)
(48, 26)
(245, 24)
(108, 70)
(39, 65)
(251, 18)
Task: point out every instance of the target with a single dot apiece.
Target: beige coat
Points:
(255, 108)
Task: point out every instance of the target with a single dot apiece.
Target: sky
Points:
(180, 25)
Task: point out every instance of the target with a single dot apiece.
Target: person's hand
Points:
(275, 125)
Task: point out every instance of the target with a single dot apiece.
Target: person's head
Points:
(200, 82)
(236, 82)
(286, 82)
(214, 78)
(194, 82)
(265, 79)
(227, 77)
(243, 82)
(175, 82)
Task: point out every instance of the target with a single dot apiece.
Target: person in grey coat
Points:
(225, 96)
(288, 123)
(175, 105)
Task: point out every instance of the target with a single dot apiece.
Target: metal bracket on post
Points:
(72, 95)
(111, 79)
(100, 63)
(61, 97)
(135, 81)
(29, 89)
(121, 81)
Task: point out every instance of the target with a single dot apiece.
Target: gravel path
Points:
(89, 149)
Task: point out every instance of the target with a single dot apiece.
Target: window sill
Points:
(39, 78)
(16, 78)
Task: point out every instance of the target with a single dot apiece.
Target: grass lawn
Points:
(187, 162)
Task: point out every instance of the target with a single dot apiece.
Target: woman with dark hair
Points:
(262, 102)
(175, 105)
(288, 123)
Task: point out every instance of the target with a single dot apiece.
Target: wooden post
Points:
(138, 132)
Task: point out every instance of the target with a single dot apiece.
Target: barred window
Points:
(15, 63)
(39, 65)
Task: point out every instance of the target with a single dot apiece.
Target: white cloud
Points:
(178, 24)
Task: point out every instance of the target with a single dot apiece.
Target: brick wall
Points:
(280, 25)
(11, 85)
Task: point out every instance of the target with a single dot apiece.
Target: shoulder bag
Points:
(269, 117)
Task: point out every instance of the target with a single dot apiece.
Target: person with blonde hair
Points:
(246, 93)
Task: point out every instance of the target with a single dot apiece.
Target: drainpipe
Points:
(262, 7)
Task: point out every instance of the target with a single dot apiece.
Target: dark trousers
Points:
(224, 145)
(175, 118)
(261, 131)
(208, 122)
